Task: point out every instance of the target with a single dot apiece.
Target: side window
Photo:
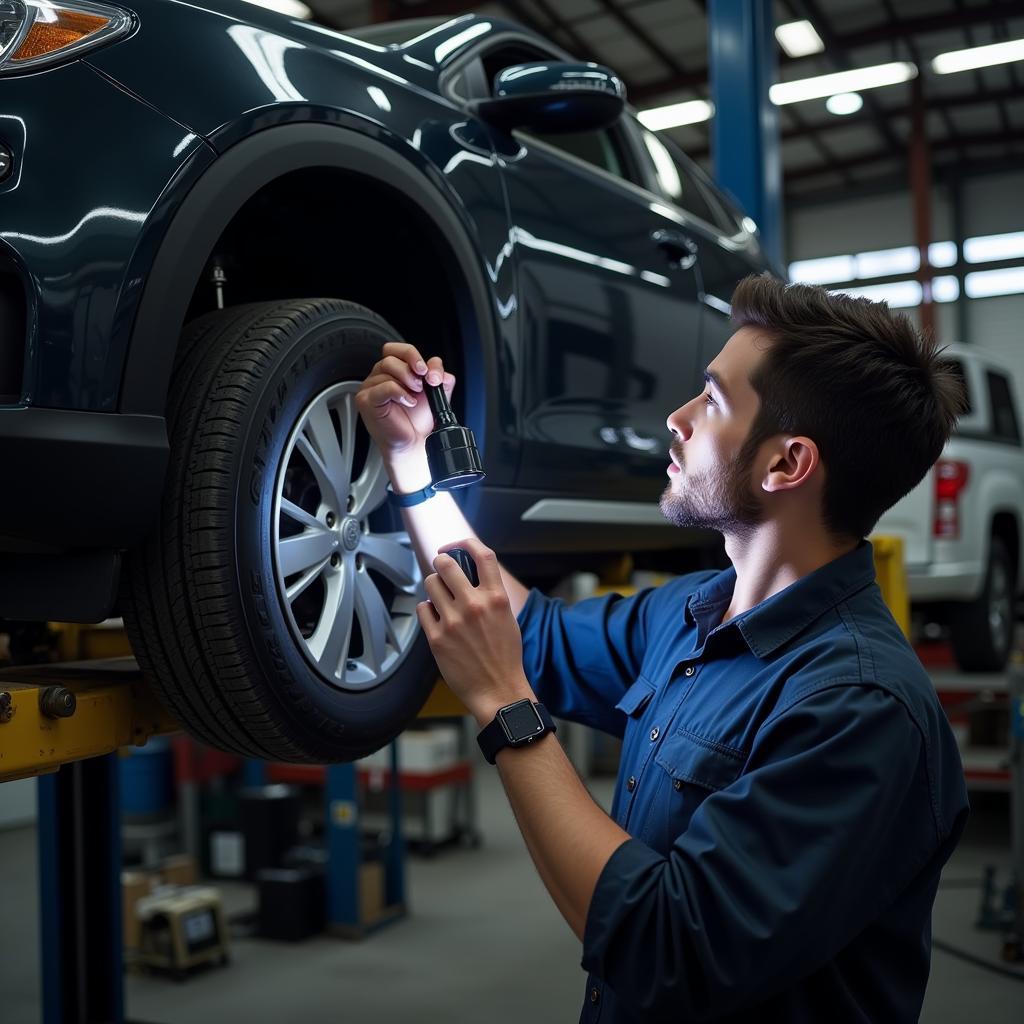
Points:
(1004, 416)
(603, 148)
(675, 181)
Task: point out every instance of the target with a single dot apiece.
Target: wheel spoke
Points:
(347, 416)
(300, 515)
(328, 492)
(330, 641)
(390, 557)
(369, 490)
(321, 430)
(374, 621)
(304, 581)
(304, 550)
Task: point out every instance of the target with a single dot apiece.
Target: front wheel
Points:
(274, 607)
(982, 629)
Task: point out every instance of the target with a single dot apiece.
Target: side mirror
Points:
(553, 97)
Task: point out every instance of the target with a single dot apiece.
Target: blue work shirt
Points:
(791, 788)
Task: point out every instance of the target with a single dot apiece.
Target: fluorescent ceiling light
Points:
(945, 289)
(844, 103)
(994, 247)
(883, 262)
(942, 254)
(978, 57)
(842, 81)
(823, 271)
(799, 39)
(994, 282)
(899, 294)
(676, 114)
(293, 8)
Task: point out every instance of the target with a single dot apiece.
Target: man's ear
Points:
(792, 464)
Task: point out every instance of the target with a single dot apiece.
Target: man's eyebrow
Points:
(710, 377)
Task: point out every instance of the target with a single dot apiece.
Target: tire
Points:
(273, 607)
(982, 629)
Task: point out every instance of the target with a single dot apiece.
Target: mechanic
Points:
(789, 787)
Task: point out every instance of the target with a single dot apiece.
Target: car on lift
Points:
(211, 219)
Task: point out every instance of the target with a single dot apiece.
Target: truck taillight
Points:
(950, 479)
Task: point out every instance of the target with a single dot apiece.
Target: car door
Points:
(607, 303)
(727, 245)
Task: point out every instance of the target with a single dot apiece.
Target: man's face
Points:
(711, 483)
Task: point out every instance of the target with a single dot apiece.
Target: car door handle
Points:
(680, 249)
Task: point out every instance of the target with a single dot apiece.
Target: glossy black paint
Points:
(577, 319)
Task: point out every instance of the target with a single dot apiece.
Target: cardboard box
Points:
(178, 869)
(135, 885)
(371, 892)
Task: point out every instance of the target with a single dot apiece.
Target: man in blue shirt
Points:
(789, 788)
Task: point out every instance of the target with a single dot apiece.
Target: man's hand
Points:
(473, 633)
(391, 400)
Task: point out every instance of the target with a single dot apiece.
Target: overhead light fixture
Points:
(799, 39)
(842, 81)
(978, 57)
(676, 114)
(293, 8)
(844, 103)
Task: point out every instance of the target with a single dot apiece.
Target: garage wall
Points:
(991, 204)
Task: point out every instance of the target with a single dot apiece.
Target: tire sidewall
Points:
(340, 346)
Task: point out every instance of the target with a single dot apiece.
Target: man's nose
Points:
(679, 424)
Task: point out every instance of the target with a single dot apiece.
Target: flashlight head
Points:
(453, 458)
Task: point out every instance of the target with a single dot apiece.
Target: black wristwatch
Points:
(515, 726)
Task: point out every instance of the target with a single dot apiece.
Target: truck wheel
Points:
(274, 606)
(982, 629)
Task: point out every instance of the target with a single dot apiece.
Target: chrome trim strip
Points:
(578, 510)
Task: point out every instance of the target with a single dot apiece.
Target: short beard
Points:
(717, 500)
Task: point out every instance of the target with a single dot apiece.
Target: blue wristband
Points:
(408, 500)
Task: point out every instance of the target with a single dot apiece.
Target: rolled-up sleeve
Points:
(581, 658)
(777, 872)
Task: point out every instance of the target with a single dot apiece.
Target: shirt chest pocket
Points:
(687, 770)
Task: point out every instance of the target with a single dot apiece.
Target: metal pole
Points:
(921, 189)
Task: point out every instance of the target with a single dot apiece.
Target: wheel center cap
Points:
(350, 534)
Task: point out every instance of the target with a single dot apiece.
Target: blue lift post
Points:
(344, 855)
(745, 130)
(80, 893)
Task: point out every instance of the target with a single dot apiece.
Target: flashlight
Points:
(452, 454)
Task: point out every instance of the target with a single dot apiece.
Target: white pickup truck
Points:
(962, 525)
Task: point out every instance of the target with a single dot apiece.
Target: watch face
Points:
(521, 721)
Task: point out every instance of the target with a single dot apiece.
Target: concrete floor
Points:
(480, 925)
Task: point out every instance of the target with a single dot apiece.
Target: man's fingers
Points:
(438, 592)
(451, 572)
(409, 354)
(401, 371)
(428, 617)
(435, 371)
(485, 559)
(380, 395)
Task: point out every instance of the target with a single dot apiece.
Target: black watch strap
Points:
(515, 725)
(408, 500)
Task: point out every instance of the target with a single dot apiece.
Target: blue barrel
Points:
(147, 778)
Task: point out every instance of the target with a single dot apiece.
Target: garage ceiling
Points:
(975, 119)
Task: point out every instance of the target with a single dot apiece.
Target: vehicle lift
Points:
(65, 723)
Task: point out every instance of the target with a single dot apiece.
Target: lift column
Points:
(745, 129)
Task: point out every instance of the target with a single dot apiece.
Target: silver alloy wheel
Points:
(999, 608)
(328, 562)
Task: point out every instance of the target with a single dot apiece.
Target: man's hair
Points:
(859, 380)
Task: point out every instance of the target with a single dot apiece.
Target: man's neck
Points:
(771, 558)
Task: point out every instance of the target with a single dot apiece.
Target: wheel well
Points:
(328, 232)
(1004, 526)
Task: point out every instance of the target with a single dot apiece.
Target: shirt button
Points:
(655, 733)
(631, 784)
(594, 995)
(677, 784)
(689, 670)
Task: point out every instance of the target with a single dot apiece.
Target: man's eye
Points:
(708, 399)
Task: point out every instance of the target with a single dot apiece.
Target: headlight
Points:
(36, 33)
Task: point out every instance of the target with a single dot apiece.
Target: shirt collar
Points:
(774, 622)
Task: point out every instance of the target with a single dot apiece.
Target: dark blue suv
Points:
(210, 222)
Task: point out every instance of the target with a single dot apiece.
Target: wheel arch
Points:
(240, 174)
(1007, 528)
